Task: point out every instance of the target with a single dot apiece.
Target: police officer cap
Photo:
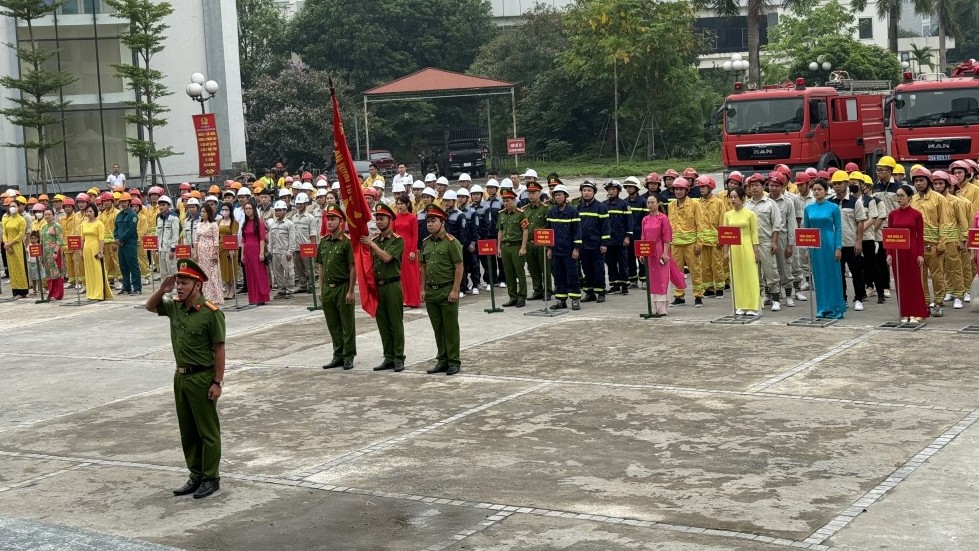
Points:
(186, 267)
(383, 210)
(280, 205)
(588, 183)
(534, 186)
(436, 211)
(508, 194)
(334, 211)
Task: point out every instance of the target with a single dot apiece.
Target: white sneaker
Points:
(486, 287)
(887, 293)
(776, 306)
(739, 312)
(958, 304)
(948, 297)
(805, 286)
(931, 305)
(789, 302)
(462, 295)
(502, 285)
(751, 313)
(858, 306)
(146, 281)
(81, 289)
(801, 297)
(475, 291)
(968, 297)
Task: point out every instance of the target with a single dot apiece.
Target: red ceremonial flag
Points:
(358, 213)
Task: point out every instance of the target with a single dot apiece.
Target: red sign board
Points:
(643, 248)
(229, 242)
(150, 243)
(487, 247)
(728, 235)
(74, 242)
(34, 249)
(307, 250)
(182, 251)
(516, 146)
(974, 239)
(897, 238)
(544, 237)
(808, 238)
(209, 158)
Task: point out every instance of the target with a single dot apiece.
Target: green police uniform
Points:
(390, 303)
(335, 256)
(536, 255)
(440, 255)
(511, 225)
(194, 331)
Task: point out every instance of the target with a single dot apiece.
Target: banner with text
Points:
(209, 157)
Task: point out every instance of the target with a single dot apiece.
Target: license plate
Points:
(467, 164)
(939, 157)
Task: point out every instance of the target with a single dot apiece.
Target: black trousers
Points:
(470, 267)
(632, 264)
(849, 258)
(873, 273)
(566, 281)
(615, 258)
(484, 261)
(593, 266)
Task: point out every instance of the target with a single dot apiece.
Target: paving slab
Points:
(897, 367)
(522, 532)
(39, 536)
(16, 470)
(774, 466)
(274, 421)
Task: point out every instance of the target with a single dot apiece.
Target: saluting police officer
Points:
(338, 274)
(197, 332)
(386, 248)
(441, 276)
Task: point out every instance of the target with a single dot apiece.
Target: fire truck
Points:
(803, 126)
(936, 118)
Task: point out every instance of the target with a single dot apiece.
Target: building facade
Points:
(203, 37)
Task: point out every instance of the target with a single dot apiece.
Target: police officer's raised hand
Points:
(168, 284)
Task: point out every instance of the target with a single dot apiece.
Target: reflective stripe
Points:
(606, 237)
(618, 212)
(566, 220)
(594, 214)
(577, 241)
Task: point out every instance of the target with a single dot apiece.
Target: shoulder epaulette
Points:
(448, 237)
(213, 307)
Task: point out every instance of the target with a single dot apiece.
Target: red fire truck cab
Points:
(936, 118)
(802, 126)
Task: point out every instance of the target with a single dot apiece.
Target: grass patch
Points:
(606, 167)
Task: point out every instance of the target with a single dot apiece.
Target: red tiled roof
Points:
(435, 80)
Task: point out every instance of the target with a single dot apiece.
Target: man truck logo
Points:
(939, 146)
(762, 151)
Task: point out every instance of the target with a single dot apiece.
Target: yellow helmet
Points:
(899, 169)
(840, 176)
(868, 180)
(856, 175)
(93, 191)
(887, 161)
(916, 166)
(116, 195)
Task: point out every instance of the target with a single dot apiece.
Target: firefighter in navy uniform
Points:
(620, 224)
(595, 238)
(535, 212)
(564, 220)
(637, 211)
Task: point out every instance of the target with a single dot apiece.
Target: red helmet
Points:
(802, 178)
(784, 169)
(812, 172)
(106, 196)
(778, 176)
(156, 190)
(942, 175)
(831, 170)
(704, 181)
(136, 201)
(973, 164)
(736, 176)
(135, 192)
(68, 202)
(307, 176)
(921, 172)
(681, 183)
(184, 186)
(823, 174)
(653, 178)
(671, 174)
(964, 165)
(83, 197)
(690, 173)
(756, 177)
(851, 167)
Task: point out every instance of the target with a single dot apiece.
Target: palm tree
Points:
(948, 25)
(891, 11)
(754, 11)
(923, 56)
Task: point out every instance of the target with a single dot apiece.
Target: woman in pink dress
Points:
(406, 225)
(656, 228)
(253, 255)
(207, 251)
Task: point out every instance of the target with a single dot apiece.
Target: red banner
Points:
(487, 247)
(229, 242)
(150, 243)
(544, 237)
(182, 251)
(808, 238)
(34, 250)
(728, 235)
(307, 250)
(643, 248)
(208, 154)
(974, 239)
(74, 243)
(358, 213)
(897, 238)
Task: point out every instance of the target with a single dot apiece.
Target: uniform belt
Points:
(388, 281)
(336, 283)
(438, 285)
(191, 369)
(512, 242)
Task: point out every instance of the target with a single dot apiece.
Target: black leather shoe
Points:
(719, 294)
(590, 297)
(384, 366)
(348, 364)
(207, 488)
(677, 301)
(575, 304)
(509, 303)
(399, 367)
(624, 289)
(537, 296)
(709, 293)
(335, 363)
(559, 305)
(881, 300)
(521, 303)
(438, 369)
(189, 487)
(452, 370)
(601, 298)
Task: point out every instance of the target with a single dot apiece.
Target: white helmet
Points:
(302, 198)
(430, 192)
(507, 184)
(531, 173)
(443, 181)
(336, 185)
(476, 189)
(398, 188)
(211, 198)
(280, 205)
(322, 183)
(244, 192)
(463, 192)
(379, 184)
(321, 192)
(308, 186)
(430, 177)
(449, 196)
(193, 202)
(418, 184)
(493, 183)
(297, 184)
(632, 181)
(284, 192)
(167, 200)
(464, 177)
(562, 189)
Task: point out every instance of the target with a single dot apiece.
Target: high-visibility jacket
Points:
(970, 192)
(938, 217)
(619, 220)
(711, 215)
(962, 215)
(683, 219)
(566, 224)
(595, 230)
(108, 218)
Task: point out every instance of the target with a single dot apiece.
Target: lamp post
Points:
(199, 85)
(820, 63)
(736, 65)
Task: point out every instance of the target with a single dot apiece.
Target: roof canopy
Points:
(436, 83)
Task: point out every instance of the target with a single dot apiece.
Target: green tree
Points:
(36, 99)
(968, 46)
(262, 49)
(948, 25)
(861, 61)
(145, 38)
(754, 12)
(923, 56)
(891, 10)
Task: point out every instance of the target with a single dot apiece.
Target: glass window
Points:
(938, 108)
(116, 132)
(866, 26)
(84, 147)
(763, 116)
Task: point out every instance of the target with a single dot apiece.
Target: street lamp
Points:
(820, 63)
(735, 64)
(198, 86)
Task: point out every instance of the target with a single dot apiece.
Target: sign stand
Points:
(489, 247)
(149, 239)
(308, 251)
(810, 238)
(545, 239)
(230, 244)
(75, 246)
(899, 240)
(39, 249)
(644, 249)
(730, 236)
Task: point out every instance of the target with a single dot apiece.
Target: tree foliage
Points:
(262, 48)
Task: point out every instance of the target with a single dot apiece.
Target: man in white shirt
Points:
(117, 178)
(402, 177)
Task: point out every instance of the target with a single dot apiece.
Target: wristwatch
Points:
(216, 382)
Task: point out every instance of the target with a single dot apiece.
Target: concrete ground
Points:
(594, 430)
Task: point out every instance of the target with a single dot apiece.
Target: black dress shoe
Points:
(537, 296)
(601, 298)
(521, 303)
(624, 289)
(207, 488)
(575, 304)
(335, 363)
(452, 370)
(881, 300)
(438, 369)
(384, 366)
(559, 305)
(399, 367)
(348, 365)
(590, 297)
(509, 303)
(677, 301)
(709, 293)
(189, 487)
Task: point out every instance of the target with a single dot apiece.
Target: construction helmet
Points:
(887, 161)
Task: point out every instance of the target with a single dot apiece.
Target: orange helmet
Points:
(196, 194)
(214, 189)
(690, 173)
(125, 196)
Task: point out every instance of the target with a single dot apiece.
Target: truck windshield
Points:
(763, 116)
(937, 108)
